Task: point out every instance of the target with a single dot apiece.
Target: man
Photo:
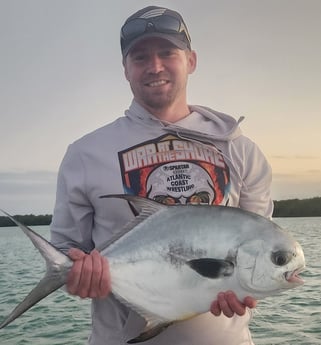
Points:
(166, 150)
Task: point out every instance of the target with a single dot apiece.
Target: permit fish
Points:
(170, 262)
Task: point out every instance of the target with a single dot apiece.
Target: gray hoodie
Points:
(202, 158)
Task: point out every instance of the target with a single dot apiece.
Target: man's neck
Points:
(170, 114)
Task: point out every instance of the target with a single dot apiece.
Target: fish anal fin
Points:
(151, 330)
(212, 268)
(154, 323)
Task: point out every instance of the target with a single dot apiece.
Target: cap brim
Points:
(169, 37)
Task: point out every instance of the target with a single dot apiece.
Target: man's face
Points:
(157, 72)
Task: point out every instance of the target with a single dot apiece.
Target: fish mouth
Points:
(293, 276)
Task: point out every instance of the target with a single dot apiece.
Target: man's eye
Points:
(139, 57)
(167, 53)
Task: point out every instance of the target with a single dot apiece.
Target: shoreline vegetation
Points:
(284, 208)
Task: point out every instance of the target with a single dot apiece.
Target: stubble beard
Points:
(159, 102)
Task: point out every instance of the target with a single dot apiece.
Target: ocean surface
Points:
(291, 318)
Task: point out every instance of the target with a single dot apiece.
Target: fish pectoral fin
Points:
(212, 268)
(150, 331)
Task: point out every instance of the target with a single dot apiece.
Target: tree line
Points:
(28, 219)
(284, 208)
(298, 208)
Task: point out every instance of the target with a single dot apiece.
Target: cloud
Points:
(301, 185)
(294, 157)
(28, 192)
(314, 171)
(34, 191)
(307, 176)
(40, 182)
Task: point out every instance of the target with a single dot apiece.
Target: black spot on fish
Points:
(212, 268)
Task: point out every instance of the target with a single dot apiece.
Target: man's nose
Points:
(155, 64)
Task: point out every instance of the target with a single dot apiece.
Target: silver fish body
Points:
(170, 262)
(179, 257)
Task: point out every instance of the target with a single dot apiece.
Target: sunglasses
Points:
(163, 24)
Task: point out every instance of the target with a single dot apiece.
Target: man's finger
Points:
(224, 305)
(235, 305)
(96, 274)
(105, 283)
(76, 254)
(250, 302)
(215, 308)
(74, 276)
(86, 277)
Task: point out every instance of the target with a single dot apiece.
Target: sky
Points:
(61, 77)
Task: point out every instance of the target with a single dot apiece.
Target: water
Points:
(58, 320)
(291, 318)
(295, 316)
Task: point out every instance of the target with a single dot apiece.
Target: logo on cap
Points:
(153, 13)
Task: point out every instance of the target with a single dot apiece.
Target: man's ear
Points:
(192, 61)
(125, 69)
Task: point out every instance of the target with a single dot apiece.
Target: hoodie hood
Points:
(202, 123)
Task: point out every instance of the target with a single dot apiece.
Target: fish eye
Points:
(281, 258)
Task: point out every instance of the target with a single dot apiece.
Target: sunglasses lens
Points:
(134, 28)
(138, 26)
(167, 24)
(163, 24)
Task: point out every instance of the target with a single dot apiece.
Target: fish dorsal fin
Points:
(139, 203)
(143, 207)
(212, 268)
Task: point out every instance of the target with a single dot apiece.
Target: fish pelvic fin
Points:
(58, 265)
(151, 330)
(212, 268)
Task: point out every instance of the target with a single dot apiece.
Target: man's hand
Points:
(228, 303)
(89, 275)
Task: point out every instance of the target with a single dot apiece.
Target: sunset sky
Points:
(61, 77)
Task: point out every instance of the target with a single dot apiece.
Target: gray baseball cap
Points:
(154, 21)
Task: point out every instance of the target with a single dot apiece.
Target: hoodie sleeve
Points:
(73, 214)
(255, 194)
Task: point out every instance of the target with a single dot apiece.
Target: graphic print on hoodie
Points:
(172, 170)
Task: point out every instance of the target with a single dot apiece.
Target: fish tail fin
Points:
(58, 265)
(45, 287)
